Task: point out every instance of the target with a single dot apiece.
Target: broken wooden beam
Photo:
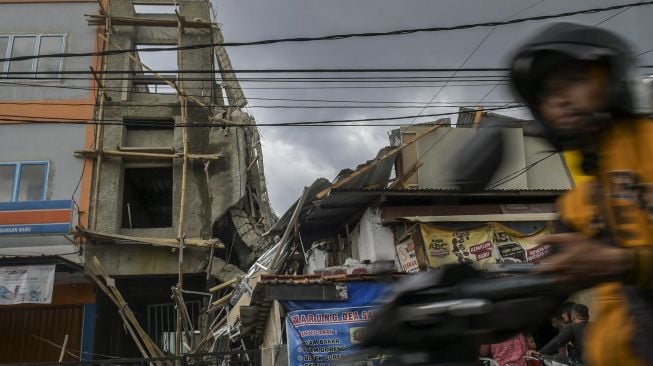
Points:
(222, 285)
(124, 308)
(220, 303)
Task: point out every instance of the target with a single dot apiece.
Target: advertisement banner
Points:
(321, 337)
(487, 244)
(26, 284)
(407, 256)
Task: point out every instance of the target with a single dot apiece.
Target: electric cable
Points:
(471, 54)
(514, 175)
(117, 122)
(343, 35)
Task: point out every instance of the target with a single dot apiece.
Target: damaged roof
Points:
(466, 118)
(298, 288)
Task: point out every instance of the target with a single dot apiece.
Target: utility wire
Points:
(614, 15)
(595, 25)
(371, 104)
(117, 122)
(343, 35)
(158, 105)
(471, 54)
(514, 175)
(317, 70)
(369, 79)
(130, 89)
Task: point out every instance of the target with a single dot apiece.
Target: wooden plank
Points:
(94, 274)
(172, 85)
(223, 299)
(407, 175)
(152, 348)
(99, 19)
(223, 285)
(145, 155)
(63, 348)
(166, 242)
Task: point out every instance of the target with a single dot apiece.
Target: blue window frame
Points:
(23, 181)
(17, 45)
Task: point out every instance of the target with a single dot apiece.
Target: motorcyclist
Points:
(580, 82)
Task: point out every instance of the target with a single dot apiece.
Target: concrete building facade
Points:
(175, 159)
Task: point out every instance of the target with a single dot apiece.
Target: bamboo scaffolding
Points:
(223, 299)
(163, 78)
(54, 345)
(99, 131)
(143, 341)
(210, 335)
(184, 172)
(63, 348)
(223, 285)
(97, 19)
(146, 155)
(187, 328)
(165, 242)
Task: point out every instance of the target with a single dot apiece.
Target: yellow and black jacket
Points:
(617, 202)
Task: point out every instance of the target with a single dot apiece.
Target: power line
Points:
(614, 15)
(131, 89)
(321, 70)
(370, 79)
(159, 105)
(341, 36)
(514, 175)
(450, 104)
(471, 54)
(315, 70)
(142, 81)
(644, 53)
(118, 122)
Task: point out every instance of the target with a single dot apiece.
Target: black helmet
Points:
(564, 42)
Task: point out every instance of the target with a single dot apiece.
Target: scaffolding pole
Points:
(184, 172)
(99, 131)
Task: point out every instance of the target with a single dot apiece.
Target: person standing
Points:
(510, 352)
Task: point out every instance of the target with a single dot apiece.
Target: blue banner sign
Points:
(35, 217)
(320, 337)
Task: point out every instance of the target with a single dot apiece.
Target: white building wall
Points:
(372, 241)
(317, 260)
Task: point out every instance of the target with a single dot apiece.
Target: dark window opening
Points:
(147, 198)
(149, 124)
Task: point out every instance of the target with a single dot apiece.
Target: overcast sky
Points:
(296, 156)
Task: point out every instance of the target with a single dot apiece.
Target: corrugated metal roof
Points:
(466, 118)
(375, 176)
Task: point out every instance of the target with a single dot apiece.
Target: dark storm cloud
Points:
(294, 157)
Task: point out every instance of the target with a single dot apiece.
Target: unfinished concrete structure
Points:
(177, 164)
